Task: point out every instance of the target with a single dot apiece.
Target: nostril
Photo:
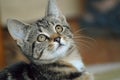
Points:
(57, 39)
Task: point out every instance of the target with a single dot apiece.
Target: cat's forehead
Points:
(46, 22)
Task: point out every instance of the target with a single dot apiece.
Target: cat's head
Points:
(45, 40)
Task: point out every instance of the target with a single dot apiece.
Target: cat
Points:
(49, 45)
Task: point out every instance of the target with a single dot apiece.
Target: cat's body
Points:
(49, 45)
(53, 71)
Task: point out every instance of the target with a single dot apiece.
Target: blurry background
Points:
(97, 20)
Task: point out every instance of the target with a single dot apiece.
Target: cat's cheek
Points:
(50, 47)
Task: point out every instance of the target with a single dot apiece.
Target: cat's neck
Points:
(74, 59)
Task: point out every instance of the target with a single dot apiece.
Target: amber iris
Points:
(41, 38)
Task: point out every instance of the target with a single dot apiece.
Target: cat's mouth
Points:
(60, 45)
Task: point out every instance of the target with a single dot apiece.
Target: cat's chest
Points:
(78, 64)
(75, 60)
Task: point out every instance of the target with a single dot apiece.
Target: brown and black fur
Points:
(23, 71)
(49, 45)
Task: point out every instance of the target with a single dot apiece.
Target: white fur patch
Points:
(78, 64)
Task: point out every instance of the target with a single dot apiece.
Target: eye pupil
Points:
(59, 28)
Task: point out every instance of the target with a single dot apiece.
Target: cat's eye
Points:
(41, 38)
(59, 28)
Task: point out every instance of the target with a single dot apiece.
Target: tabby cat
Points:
(48, 44)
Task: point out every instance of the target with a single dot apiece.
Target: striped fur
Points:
(48, 44)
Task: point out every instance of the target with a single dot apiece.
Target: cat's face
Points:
(45, 40)
(52, 42)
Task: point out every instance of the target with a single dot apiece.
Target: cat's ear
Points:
(54, 11)
(17, 30)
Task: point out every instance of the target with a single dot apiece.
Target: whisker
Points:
(82, 45)
(83, 37)
(79, 30)
(85, 42)
(89, 43)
